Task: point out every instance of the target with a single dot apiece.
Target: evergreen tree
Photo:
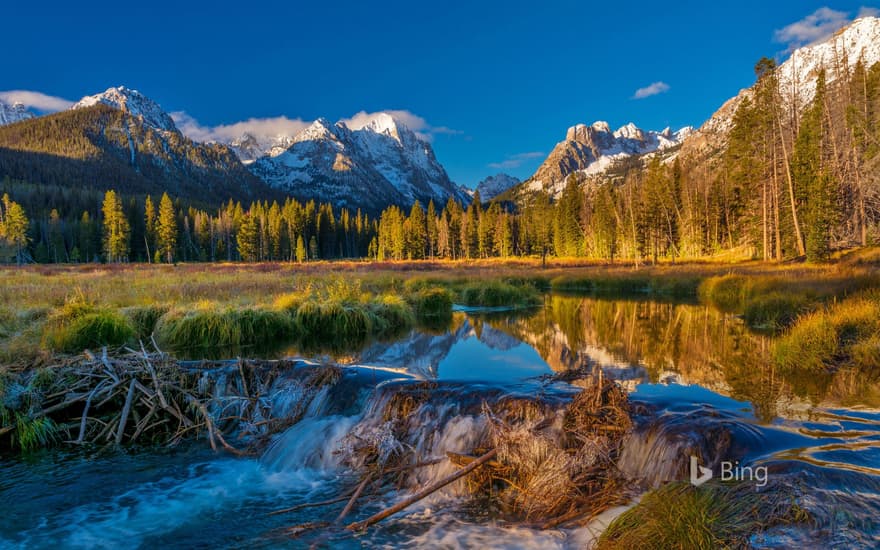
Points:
(301, 255)
(13, 227)
(116, 229)
(416, 237)
(248, 239)
(166, 229)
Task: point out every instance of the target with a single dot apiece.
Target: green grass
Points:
(78, 325)
(714, 515)
(776, 310)
(433, 302)
(843, 334)
(498, 294)
(144, 319)
(214, 326)
(676, 286)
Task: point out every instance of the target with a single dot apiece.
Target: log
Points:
(358, 525)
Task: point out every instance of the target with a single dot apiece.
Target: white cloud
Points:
(515, 161)
(818, 26)
(260, 128)
(411, 120)
(36, 100)
(268, 128)
(652, 89)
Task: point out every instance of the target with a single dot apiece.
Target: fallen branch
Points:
(359, 525)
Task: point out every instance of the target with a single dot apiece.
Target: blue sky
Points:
(494, 84)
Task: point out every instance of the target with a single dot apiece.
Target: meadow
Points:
(827, 314)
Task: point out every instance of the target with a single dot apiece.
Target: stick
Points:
(120, 431)
(423, 493)
(309, 505)
(354, 497)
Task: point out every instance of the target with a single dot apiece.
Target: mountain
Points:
(495, 185)
(592, 150)
(797, 78)
(133, 103)
(249, 148)
(15, 112)
(124, 140)
(371, 167)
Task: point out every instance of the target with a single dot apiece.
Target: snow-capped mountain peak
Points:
(13, 113)
(132, 102)
(384, 123)
(493, 186)
(378, 163)
(592, 150)
(797, 75)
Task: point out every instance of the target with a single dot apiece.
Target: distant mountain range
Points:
(382, 163)
(121, 138)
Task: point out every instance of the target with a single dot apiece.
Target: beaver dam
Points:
(571, 425)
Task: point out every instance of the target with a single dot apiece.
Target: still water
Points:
(696, 370)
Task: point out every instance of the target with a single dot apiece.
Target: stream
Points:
(702, 380)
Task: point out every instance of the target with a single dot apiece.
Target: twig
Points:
(309, 505)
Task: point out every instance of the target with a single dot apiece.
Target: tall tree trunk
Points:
(794, 216)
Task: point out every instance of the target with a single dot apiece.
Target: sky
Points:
(493, 85)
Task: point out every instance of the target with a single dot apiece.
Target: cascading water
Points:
(322, 429)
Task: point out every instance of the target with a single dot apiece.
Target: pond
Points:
(695, 369)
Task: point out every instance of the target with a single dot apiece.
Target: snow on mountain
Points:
(249, 147)
(381, 163)
(13, 113)
(493, 186)
(593, 149)
(798, 74)
(132, 102)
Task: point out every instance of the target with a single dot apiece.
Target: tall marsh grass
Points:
(210, 325)
(79, 325)
(843, 334)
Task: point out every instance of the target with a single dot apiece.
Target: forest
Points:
(791, 181)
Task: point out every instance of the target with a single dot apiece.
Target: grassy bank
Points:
(242, 305)
(714, 515)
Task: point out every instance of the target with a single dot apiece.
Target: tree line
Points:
(791, 181)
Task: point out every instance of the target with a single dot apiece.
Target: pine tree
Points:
(13, 227)
(416, 237)
(166, 229)
(301, 255)
(116, 229)
(248, 238)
